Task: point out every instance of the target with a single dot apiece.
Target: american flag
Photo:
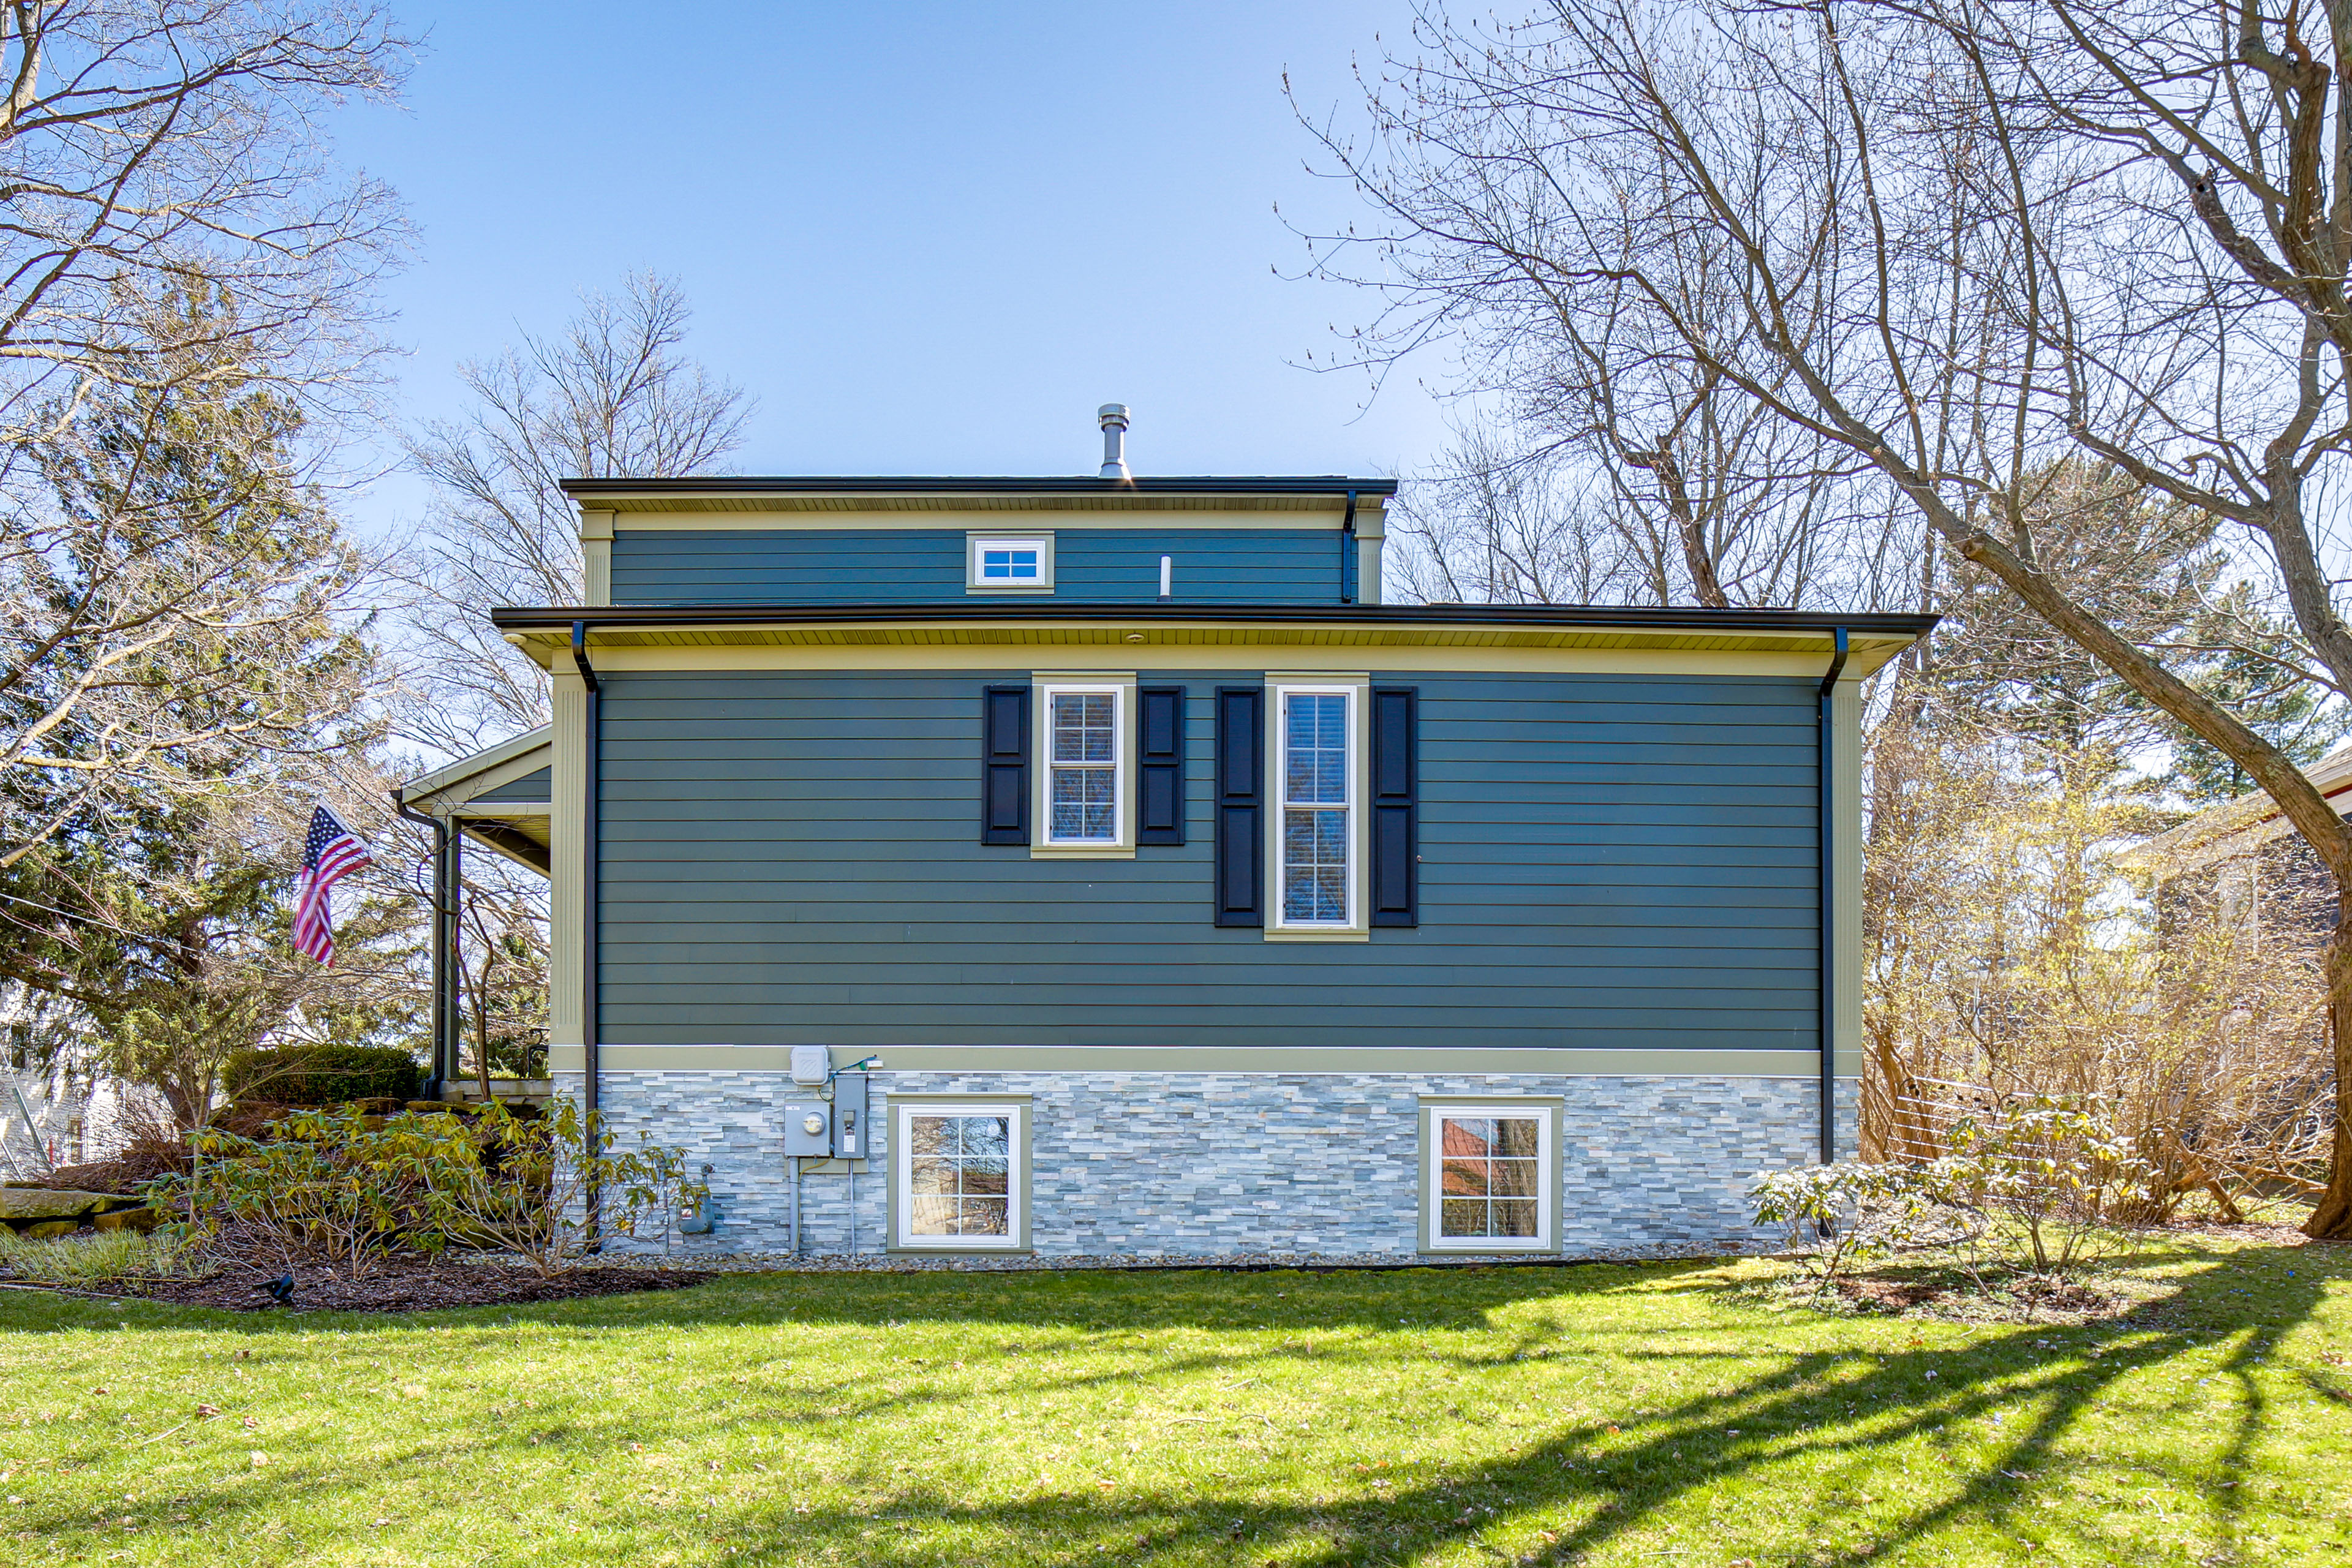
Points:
(330, 853)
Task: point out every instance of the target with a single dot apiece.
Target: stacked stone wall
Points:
(1221, 1164)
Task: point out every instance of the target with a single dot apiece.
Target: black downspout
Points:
(444, 969)
(1348, 553)
(1828, 892)
(593, 789)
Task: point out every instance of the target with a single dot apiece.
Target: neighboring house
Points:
(1195, 901)
(2243, 863)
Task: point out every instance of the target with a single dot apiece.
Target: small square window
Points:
(995, 563)
(959, 1174)
(1490, 1178)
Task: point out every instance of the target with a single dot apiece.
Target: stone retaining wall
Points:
(1219, 1165)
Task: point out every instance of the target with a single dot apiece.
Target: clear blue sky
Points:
(929, 237)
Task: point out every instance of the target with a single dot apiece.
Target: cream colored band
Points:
(1420, 1061)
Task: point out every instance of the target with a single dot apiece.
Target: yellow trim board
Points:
(1142, 656)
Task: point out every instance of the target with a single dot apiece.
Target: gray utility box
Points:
(850, 1133)
(808, 1128)
(821, 1130)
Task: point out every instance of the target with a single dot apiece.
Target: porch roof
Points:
(497, 797)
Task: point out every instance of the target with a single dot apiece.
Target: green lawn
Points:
(1598, 1414)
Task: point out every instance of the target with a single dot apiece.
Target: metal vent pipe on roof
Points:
(1113, 418)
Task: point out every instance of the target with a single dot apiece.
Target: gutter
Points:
(445, 969)
(1828, 897)
(920, 485)
(1146, 612)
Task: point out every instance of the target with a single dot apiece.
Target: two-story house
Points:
(1194, 901)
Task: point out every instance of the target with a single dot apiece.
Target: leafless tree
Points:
(173, 596)
(1971, 238)
(1488, 525)
(160, 149)
(610, 396)
(184, 288)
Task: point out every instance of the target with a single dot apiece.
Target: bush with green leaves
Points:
(321, 1074)
(2046, 1173)
(2030, 1188)
(1849, 1214)
(345, 1189)
(320, 1185)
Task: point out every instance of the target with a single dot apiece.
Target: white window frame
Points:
(973, 544)
(1355, 927)
(1545, 1114)
(902, 1175)
(1120, 689)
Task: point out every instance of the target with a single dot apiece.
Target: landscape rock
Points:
(39, 1203)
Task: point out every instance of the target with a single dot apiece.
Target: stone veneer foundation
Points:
(1216, 1164)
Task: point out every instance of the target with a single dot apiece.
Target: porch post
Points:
(451, 967)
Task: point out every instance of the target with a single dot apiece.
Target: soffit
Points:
(527, 841)
(1868, 651)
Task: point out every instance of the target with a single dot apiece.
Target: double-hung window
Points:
(1318, 828)
(959, 1174)
(1084, 784)
(1490, 1177)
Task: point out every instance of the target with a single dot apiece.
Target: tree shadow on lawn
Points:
(1837, 1413)
(1836, 1405)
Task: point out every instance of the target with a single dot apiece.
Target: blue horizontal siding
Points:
(906, 566)
(532, 787)
(1607, 861)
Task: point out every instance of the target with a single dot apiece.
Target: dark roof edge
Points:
(616, 617)
(1059, 485)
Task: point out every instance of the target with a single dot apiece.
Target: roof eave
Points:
(1338, 485)
(444, 778)
(1633, 618)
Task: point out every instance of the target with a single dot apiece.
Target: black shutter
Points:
(1396, 805)
(1159, 765)
(1241, 806)
(1004, 765)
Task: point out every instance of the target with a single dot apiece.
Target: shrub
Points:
(2030, 1189)
(1852, 1212)
(346, 1189)
(319, 1184)
(2045, 1173)
(322, 1074)
(527, 1187)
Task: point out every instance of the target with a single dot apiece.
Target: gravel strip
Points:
(1124, 1262)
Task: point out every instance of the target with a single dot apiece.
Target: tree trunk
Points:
(481, 1011)
(2332, 1220)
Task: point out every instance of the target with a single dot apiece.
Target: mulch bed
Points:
(399, 1287)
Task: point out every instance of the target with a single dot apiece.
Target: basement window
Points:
(958, 1175)
(1490, 1177)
